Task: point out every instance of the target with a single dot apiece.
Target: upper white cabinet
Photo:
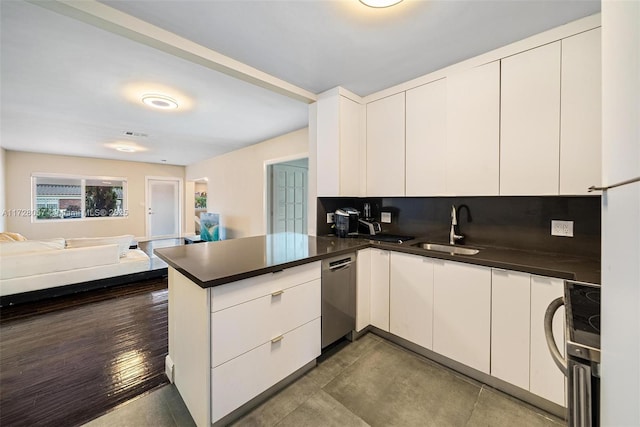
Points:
(385, 146)
(462, 313)
(340, 145)
(530, 122)
(426, 140)
(380, 289)
(581, 113)
(411, 298)
(472, 132)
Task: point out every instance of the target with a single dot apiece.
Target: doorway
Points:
(163, 207)
(287, 184)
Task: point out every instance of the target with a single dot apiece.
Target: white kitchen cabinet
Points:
(510, 326)
(231, 342)
(279, 312)
(545, 379)
(363, 289)
(426, 139)
(530, 122)
(473, 117)
(238, 380)
(340, 145)
(411, 298)
(581, 113)
(385, 146)
(462, 313)
(380, 289)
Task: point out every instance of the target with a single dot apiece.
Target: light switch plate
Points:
(561, 228)
(385, 217)
(330, 217)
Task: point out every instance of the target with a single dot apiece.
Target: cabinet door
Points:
(411, 298)
(473, 127)
(278, 313)
(385, 146)
(581, 113)
(546, 379)
(237, 381)
(510, 325)
(352, 162)
(426, 141)
(380, 289)
(462, 313)
(339, 145)
(530, 122)
(363, 289)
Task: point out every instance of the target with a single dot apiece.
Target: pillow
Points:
(13, 248)
(123, 242)
(6, 236)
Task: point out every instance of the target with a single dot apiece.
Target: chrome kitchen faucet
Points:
(454, 233)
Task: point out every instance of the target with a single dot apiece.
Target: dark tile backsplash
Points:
(522, 222)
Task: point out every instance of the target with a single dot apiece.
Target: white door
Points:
(163, 207)
(288, 199)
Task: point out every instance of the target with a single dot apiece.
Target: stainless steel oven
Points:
(582, 364)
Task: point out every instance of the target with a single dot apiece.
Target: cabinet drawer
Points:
(240, 328)
(241, 379)
(255, 287)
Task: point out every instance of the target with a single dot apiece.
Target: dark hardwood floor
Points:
(68, 360)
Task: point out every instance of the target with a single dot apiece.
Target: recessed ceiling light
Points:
(379, 3)
(162, 102)
(126, 149)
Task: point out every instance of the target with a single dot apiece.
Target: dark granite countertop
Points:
(216, 263)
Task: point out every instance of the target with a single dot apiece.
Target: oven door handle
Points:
(557, 357)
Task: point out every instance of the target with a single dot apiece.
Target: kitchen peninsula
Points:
(244, 314)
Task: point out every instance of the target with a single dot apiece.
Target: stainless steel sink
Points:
(449, 249)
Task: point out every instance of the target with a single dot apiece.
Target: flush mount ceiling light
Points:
(126, 149)
(162, 102)
(379, 3)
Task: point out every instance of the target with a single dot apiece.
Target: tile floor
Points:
(369, 382)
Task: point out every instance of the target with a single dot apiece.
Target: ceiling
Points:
(71, 85)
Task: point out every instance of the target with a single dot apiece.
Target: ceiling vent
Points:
(135, 134)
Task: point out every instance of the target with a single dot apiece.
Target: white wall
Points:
(620, 340)
(236, 186)
(20, 166)
(3, 192)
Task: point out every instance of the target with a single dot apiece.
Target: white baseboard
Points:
(168, 368)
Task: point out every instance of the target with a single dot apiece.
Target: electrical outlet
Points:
(562, 228)
(330, 218)
(385, 217)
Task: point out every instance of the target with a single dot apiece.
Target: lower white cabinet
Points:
(519, 352)
(229, 343)
(411, 298)
(363, 289)
(240, 379)
(462, 313)
(545, 379)
(510, 326)
(380, 289)
(278, 313)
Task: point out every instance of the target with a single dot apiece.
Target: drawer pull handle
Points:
(277, 293)
(277, 339)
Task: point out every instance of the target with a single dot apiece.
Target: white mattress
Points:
(136, 261)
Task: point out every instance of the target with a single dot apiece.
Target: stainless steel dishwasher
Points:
(338, 298)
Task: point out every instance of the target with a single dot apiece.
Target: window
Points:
(59, 197)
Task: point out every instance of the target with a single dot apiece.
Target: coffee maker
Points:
(346, 222)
